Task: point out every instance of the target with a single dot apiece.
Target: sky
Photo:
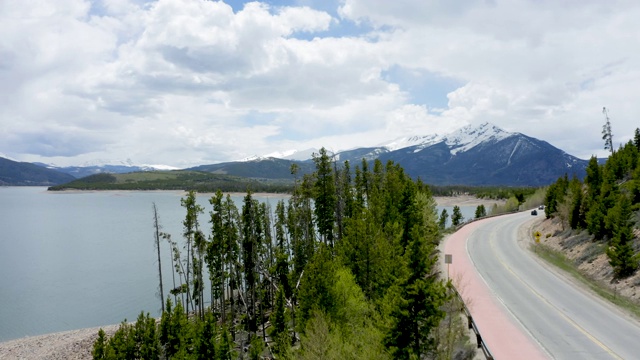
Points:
(191, 82)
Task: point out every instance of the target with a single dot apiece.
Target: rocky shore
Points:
(74, 344)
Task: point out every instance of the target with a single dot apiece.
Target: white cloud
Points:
(185, 82)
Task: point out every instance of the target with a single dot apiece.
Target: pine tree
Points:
(442, 221)
(622, 256)
(158, 235)
(216, 251)
(206, 346)
(325, 198)
(279, 332)
(419, 309)
(456, 218)
(193, 272)
(576, 216)
(607, 136)
(480, 211)
(250, 244)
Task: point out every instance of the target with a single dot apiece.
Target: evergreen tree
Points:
(442, 221)
(418, 310)
(622, 256)
(190, 225)
(325, 198)
(456, 218)
(315, 285)
(607, 136)
(206, 333)
(593, 179)
(158, 235)
(555, 195)
(231, 249)
(636, 138)
(279, 332)
(282, 251)
(250, 244)
(480, 211)
(216, 251)
(101, 347)
(577, 219)
(173, 329)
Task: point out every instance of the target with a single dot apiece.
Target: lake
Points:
(72, 260)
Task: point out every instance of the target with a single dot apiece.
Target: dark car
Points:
(534, 212)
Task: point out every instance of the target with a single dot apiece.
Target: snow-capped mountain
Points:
(99, 166)
(472, 155)
(468, 137)
(405, 142)
(301, 155)
(486, 155)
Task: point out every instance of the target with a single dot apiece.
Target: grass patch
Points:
(560, 261)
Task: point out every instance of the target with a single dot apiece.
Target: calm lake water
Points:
(83, 259)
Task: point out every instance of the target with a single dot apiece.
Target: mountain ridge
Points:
(17, 173)
(473, 155)
(483, 155)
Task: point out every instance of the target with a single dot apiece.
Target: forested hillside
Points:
(346, 269)
(606, 205)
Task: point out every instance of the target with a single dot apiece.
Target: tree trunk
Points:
(157, 227)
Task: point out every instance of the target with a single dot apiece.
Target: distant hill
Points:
(174, 180)
(13, 173)
(259, 168)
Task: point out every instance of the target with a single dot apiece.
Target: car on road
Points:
(534, 212)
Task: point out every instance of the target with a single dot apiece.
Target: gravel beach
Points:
(74, 344)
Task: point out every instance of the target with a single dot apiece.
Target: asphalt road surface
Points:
(558, 318)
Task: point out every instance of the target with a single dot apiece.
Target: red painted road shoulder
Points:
(504, 336)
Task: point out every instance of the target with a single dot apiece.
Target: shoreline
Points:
(466, 200)
(70, 344)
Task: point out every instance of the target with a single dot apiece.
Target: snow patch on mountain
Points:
(2, 155)
(416, 140)
(294, 154)
(469, 137)
(148, 167)
(253, 158)
(460, 140)
(107, 162)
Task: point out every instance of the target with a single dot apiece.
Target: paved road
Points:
(564, 321)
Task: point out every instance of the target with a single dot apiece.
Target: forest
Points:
(606, 204)
(346, 269)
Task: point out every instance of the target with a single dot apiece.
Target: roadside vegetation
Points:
(561, 261)
(346, 269)
(606, 205)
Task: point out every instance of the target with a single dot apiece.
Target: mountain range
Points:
(28, 174)
(473, 155)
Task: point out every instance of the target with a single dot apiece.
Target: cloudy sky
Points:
(187, 82)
